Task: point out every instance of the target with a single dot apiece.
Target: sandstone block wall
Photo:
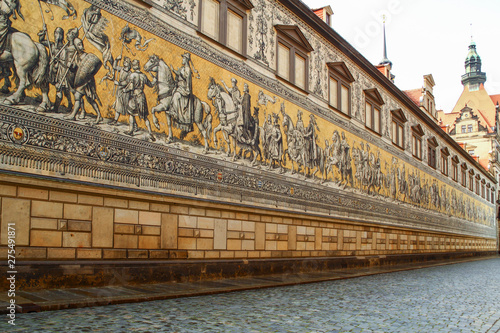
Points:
(56, 221)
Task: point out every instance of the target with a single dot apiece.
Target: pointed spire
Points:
(385, 60)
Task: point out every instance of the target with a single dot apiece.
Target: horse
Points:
(296, 144)
(31, 63)
(228, 114)
(166, 89)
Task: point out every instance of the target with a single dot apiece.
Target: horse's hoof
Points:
(69, 117)
(98, 121)
(152, 138)
(8, 102)
(156, 123)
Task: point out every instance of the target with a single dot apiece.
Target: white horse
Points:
(166, 88)
(31, 63)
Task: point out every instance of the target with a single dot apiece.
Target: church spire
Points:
(385, 60)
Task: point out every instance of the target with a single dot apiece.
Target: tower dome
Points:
(473, 77)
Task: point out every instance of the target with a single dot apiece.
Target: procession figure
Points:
(345, 161)
(275, 144)
(85, 67)
(58, 65)
(267, 128)
(234, 92)
(138, 105)
(122, 97)
(7, 8)
(243, 133)
(184, 94)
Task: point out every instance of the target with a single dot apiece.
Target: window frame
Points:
(432, 152)
(291, 37)
(238, 7)
(416, 139)
(374, 99)
(339, 72)
(455, 162)
(398, 121)
(445, 166)
(471, 180)
(464, 175)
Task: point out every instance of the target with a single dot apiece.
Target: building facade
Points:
(220, 130)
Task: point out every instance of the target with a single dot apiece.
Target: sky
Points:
(423, 37)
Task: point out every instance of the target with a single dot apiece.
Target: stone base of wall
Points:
(87, 235)
(71, 274)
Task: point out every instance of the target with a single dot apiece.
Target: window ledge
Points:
(373, 131)
(339, 112)
(282, 79)
(398, 146)
(225, 47)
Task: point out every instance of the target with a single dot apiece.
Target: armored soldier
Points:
(58, 65)
(138, 105)
(122, 97)
(86, 65)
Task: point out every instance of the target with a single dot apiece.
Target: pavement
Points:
(58, 299)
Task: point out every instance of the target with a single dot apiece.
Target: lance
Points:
(71, 62)
(45, 27)
(115, 87)
(62, 49)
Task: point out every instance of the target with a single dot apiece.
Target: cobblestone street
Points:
(453, 298)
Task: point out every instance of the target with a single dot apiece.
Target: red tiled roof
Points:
(495, 99)
(447, 119)
(414, 95)
(484, 162)
(319, 12)
(485, 121)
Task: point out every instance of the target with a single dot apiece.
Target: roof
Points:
(414, 95)
(484, 163)
(495, 99)
(485, 120)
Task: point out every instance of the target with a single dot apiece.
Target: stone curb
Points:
(150, 292)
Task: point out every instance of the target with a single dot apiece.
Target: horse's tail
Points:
(38, 76)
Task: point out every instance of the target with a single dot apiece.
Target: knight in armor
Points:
(122, 97)
(85, 66)
(138, 105)
(58, 65)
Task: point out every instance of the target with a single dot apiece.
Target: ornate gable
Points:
(399, 114)
(374, 95)
(340, 69)
(293, 33)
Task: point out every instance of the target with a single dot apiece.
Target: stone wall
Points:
(57, 221)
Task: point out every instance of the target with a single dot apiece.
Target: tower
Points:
(473, 77)
(385, 65)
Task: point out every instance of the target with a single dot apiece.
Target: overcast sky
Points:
(423, 37)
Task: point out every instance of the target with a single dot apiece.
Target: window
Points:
(398, 127)
(463, 128)
(492, 197)
(469, 128)
(373, 104)
(471, 180)
(226, 22)
(340, 79)
(478, 188)
(416, 141)
(444, 161)
(488, 193)
(454, 163)
(464, 175)
(431, 152)
(483, 189)
(291, 55)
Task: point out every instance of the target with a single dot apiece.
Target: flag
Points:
(67, 6)
(94, 24)
(128, 35)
